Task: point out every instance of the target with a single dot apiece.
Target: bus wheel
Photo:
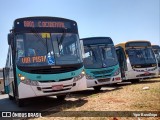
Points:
(61, 97)
(20, 102)
(114, 84)
(97, 88)
(135, 81)
(11, 97)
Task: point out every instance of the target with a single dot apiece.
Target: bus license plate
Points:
(57, 87)
(146, 73)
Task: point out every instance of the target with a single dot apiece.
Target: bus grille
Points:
(46, 81)
(52, 71)
(104, 80)
(102, 72)
(102, 76)
(146, 75)
(50, 90)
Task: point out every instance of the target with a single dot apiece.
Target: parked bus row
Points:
(46, 57)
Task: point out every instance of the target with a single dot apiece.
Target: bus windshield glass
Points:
(141, 56)
(99, 56)
(42, 49)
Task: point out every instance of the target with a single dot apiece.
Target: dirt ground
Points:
(124, 97)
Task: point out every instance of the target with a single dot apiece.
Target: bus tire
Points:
(114, 84)
(11, 97)
(61, 97)
(97, 88)
(135, 81)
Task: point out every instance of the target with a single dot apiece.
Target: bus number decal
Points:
(28, 24)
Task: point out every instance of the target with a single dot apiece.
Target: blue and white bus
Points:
(156, 49)
(44, 58)
(100, 62)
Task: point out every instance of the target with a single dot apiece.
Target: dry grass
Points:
(128, 97)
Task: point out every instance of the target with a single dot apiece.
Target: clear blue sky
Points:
(122, 20)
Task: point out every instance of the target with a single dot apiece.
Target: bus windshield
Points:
(141, 56)
(42, 49)
(99, 56)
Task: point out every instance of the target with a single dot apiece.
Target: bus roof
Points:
(121, 44)
(96, 40)
(137, 41)
(155, 46)
(134, 41)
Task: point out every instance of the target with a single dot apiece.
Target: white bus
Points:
(137, 60)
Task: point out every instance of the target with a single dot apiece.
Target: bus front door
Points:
(122, 61)
(5, 81)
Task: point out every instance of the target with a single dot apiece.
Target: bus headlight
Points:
(89, 77)
(80, 76)
(117, 72)
(27, 81)
(30, 82)
(83, 72)
(22, 78)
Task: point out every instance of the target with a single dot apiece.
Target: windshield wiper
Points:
(60, 41)
(102, 48)
(33, 30)
(143, 57)
(92, 52)
(47, 45)
(52, 48)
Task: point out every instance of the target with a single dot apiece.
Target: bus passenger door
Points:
(82, 48)
(122, 61)
(8, 74)
(6, 86)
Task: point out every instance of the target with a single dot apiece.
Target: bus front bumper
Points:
(51, 88)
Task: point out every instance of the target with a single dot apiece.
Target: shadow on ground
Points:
(40, 104)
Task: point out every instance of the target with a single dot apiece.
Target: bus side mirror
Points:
(10, 38)
(126, 51)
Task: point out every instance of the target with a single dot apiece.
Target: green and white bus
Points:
(100, 62)
(44, 58)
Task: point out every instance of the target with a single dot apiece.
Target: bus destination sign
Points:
(42, 24)
(51, 24)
